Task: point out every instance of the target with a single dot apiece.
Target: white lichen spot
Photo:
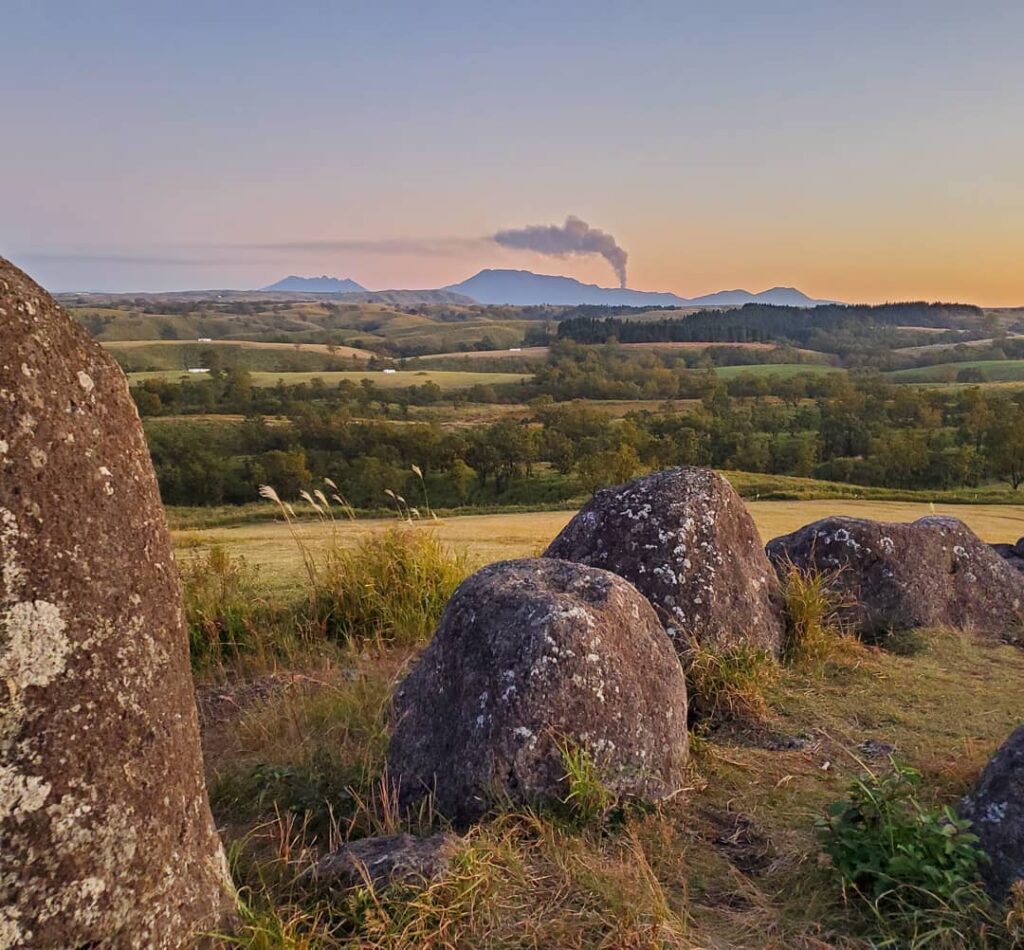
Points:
(37, 457)
(85, 381)
(20, 794)
(10, 932)
(4, 447)
(36, 649)
(995, 812)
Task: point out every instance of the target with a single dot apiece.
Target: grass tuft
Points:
(730, 685)
(814, 634)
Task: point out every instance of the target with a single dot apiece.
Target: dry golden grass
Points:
(488, 538)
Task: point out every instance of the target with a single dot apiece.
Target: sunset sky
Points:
(859, 151)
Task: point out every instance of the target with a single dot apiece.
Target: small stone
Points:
(390, 859)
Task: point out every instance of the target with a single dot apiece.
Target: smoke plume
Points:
(574, 237)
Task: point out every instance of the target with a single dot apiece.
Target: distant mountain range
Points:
(316, 285)
(523, 288)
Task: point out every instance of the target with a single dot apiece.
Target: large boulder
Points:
(532, 657)
(995, 808)
(888, 575)
(106, 837)
(688, 543)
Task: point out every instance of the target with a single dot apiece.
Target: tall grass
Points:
(229, 617)
(814, 632)
(389, 587)
(392, 587)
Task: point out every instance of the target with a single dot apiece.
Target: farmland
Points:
(395, 380)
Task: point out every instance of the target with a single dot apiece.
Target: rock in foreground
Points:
(106, 837)
(390, 859)
(931, 572)
(531, 656)
(688, 543)
(996, 809)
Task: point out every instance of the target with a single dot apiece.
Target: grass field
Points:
(995, 371)
(494, 537)
(775, 369)
(346, 352)
(397, 380)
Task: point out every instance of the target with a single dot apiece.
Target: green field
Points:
(775, 369)
(400, 379)
(994, 371)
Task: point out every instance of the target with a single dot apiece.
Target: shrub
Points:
(916, 867)
(391, 586)
(729, 684)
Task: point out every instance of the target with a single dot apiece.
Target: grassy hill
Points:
(995, 371)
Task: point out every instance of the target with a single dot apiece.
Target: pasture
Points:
(993, 371)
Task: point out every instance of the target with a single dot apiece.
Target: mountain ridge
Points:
(315, 285)
(525, 288)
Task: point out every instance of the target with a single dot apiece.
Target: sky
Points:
(863, 151)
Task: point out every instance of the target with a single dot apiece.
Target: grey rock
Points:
(531, 656)
(688, 543)
(106, 837)
(390, 859)
(889, 575)
(995, 808)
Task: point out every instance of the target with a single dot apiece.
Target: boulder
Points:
(688, 543)
(106, 837)
(389, 859)
(532, 657)
(1013, 554)
(996, 810)
(932, 572)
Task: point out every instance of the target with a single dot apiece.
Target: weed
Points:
(588, 799)
(917, 868)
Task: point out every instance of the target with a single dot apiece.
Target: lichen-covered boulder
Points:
(688, 543)
(106, 837)
(890, 575)
(995, 808)
(533, 657)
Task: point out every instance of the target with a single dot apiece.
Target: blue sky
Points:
(860, 151)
